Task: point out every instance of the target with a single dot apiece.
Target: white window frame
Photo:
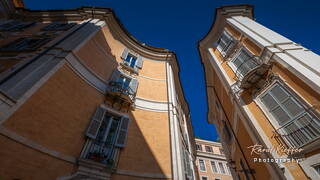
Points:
(296, 96)
(287, 88)
(220, 172)
(204, 162)
(231, 64)
(230, 37)
(132, 57)
(315, 171)
(215, 163)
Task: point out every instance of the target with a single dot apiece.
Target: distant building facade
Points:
(80, 98)
(263, 89)
(211, 161)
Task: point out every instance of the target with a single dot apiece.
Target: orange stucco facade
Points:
(45, 126)
(236, 107)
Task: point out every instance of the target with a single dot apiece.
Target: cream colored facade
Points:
(263, 89)
(211, 161)
(80, 98)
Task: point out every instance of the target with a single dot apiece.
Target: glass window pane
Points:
(279, 93)
(128, 59)
(208, 149)
(201, 165)
(133, 61)
(222, 168)
(292, 107)
(214, 167)
(269, 102)
(280, 115)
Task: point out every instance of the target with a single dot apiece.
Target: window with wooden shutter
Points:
(105, 136)
(132, 60)
(281, 104)
(225, 43)
(96, 122)
(15, 25)
(244, 62)
(123, 131)
(25, 44)
(58, 26)
(298, 126)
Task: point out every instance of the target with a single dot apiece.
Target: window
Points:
(198, 147)
(208, 149)
(106, 131)
(202, 166)
(221, 167)
(25, 44)
(317, 168)
(221, 151)
(225, 43)
(131, 60)
(244, 62)
(15, 25)
(280, 104)
(204, 178)
(58, 26)
(298, 126)
(124, 84)
(124, 81)
(214, 167)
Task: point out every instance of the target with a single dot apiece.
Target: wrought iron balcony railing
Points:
(101, 152)
(121, 90)
(250, 72)
(301, 131)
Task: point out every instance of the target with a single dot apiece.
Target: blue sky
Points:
(179, 24)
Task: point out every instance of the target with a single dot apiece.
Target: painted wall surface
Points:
(57, 114)
(220, 78)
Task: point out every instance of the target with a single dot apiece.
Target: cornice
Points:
(221, 14)
(115, 26)
(104, 14)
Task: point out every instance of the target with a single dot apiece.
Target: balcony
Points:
(299, 132)
(122, 91)
(250, 72)
(101, 152)
(98, 160)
